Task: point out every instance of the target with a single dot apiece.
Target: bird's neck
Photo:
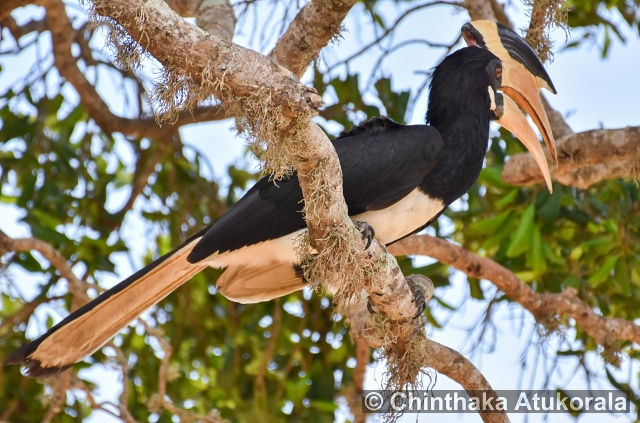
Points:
(465, 138)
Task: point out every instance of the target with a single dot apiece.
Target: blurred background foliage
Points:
(73, 184)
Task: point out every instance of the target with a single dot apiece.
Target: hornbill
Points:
(396, 178)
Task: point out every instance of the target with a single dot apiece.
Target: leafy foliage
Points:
(602, 20)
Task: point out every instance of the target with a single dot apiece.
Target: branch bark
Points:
(214, 16)
(480, 9)
(317, 23)
(583, 159)
(544, 307)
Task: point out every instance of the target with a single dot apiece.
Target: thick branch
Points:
(583, 159)
(317, 23)
(544, 307)
(480, 9)
(217, 18)
(214, 16)
(184, 8)
(217, 64)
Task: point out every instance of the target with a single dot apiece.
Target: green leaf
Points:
(501, 234)
(507, 199)
(475, 289)
(297, 389)
(622, 275)
(551, 256)
(537, 257)
(604, 272)
(492, 175)
(526, 276)
(521, 240)
(27, 191)
(323, 406)
(49, 235)
(491, 224)
(549, 209)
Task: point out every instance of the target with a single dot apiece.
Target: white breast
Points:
(402, 218)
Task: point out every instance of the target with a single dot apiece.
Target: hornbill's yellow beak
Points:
(522, 78)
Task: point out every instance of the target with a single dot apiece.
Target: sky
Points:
(591, 93)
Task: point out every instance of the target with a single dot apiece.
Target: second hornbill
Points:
(396, 178)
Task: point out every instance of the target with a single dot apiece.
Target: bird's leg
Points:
(366, 230)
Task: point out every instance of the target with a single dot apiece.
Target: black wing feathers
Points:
(381, 162)
(267, 211)
(380, 167)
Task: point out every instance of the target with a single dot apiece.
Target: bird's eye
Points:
(498, 71)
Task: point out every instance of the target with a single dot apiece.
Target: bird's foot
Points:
(366, 231)
(422, 289)
(418, 285)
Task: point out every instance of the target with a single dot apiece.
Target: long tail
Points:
(90, 327)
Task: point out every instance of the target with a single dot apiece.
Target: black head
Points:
(467, 81)
(523, 77)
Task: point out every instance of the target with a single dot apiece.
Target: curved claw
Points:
(366, 231)
(420, 302)
(419, 298)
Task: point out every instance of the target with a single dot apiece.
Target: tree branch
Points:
(217, 18)
(559, 127)
(443, 359)
(317, 23)
(544, 307)
(583, 159)
(480, 9)
(63, 36)
(8, 244)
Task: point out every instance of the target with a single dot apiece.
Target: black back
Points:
(381, 162)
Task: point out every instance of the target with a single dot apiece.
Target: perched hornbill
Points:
(396, 178)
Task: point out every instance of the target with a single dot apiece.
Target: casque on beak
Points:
(522, 78)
